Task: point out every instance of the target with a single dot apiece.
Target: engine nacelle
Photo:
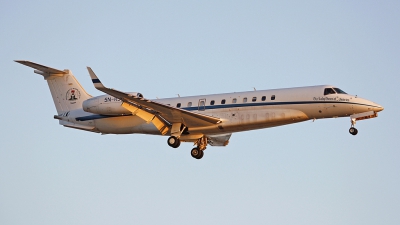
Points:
(107, 105)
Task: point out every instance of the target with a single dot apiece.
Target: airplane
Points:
(204, 119)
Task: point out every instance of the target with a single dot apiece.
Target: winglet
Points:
(96, 82)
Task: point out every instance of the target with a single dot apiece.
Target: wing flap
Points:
(148, 117)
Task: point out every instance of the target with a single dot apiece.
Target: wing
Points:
(162, 115)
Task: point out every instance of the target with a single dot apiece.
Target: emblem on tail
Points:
(72, 95)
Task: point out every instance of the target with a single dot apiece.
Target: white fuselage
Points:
(239, 111)
(203, 120)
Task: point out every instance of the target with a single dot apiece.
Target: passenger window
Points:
(178, 105)
(212, 102)
(254, 99)
(244, 99)
(263, 98)
(272, 97)
(223, 101)
(189, 104)
(234, 100)
(329, 91)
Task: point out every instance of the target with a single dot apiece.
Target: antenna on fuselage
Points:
(178, 95)
(254, 88)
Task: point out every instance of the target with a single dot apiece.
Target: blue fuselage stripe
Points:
(95, 117)
(269, 104)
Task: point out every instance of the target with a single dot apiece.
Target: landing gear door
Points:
(202, 104)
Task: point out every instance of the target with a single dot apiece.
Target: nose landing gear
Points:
(352, 129)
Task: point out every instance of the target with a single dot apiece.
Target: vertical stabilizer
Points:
(67, 92)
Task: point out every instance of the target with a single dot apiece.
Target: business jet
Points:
(204, 119)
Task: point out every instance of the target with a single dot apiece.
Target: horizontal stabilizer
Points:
(42, 68)
(79, 126)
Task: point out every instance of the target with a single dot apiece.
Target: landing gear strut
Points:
(174, 142)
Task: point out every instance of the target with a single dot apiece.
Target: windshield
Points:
(339, 91)
(329, 91)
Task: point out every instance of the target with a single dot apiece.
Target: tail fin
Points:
(66, 91)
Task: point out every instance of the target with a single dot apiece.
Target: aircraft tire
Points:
(353, 131)
(197, 153)
(174, 142)
(201, 154)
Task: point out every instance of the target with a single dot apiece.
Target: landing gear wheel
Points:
(201, 155)
(196, 153)
(174, 142)
(353, 131)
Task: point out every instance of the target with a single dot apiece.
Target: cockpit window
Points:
(339, 91)
(329, 91)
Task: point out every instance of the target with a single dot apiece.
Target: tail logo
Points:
(73, 95)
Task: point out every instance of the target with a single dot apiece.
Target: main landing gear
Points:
(197, 152)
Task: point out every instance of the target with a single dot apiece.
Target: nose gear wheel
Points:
(353, 131)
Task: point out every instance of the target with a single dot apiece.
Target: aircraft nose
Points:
(379, 108)
(372, 106)
(376, 107)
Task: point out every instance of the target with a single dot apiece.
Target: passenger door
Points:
(202, 104)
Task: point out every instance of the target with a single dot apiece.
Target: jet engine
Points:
(107, 105)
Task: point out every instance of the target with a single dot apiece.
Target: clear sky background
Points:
(306, 173)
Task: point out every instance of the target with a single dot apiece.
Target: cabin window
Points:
(189, 104)
(329, 91)
(254, 99)
(263, 98)
(244, 99)
(178, 105)
(223, 101)
(272, 97)
(234, 100)
(212, 102)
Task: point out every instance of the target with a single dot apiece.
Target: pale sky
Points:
(306, 173)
